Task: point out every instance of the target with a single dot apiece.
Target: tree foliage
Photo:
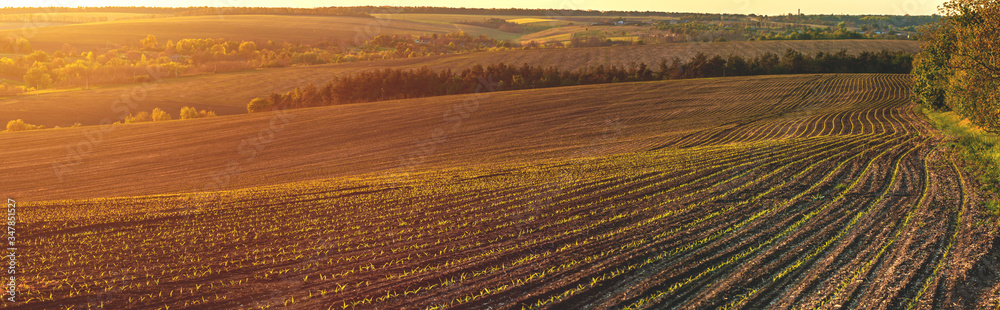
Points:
(389, 84)
(38, 76)
(20, 125)
(959, 68)
(160, 115)
(189, 113)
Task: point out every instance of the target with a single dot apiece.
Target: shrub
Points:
(258, 105)
(142, 116)
(38, 76)
(992, 208)
(189, 113)
(20, 125)
(160, 115)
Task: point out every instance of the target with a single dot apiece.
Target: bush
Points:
(258, 105)
(160, 115)
(20, 125)
(992, 208)
(958, 69)
(189, 113)
(142, 116)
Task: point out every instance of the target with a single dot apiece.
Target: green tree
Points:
(794, 62)
(37, 56)
(160, 115)
(20, 125)
(75, 71)
(959, 68)
(189, 113)
(22, 46)
(142, 116)
(247, 48)
(258, 105)
(930, 69)
(38, 76)
(150, 42)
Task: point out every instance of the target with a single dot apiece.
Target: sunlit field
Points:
(425, 157)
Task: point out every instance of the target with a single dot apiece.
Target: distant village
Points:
(623, 22)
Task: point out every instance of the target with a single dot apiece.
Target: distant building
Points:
(630, 23)
(619, 23)
(602, 24)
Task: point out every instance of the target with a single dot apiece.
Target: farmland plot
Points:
(822, 191)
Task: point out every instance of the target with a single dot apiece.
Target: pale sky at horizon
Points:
(765, 7)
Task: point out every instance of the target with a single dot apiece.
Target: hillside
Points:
(89, 107)
(337, 141)
(807, 191)
(279, 28)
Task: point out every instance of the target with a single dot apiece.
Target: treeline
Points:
(958, 69)
(594, 41)
(28, 69)
(510, 11)
(189, 11)
(506, 26)
(157, 115)
(407, 45)
(390, 84)
(887, 22)
(45, 19)
(110, 9)
(322, 11)
(749, 31)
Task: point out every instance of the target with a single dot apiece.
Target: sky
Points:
(763, 7)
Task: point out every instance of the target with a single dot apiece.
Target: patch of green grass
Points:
(992, 208)
(977, 146)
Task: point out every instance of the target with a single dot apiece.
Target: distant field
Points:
(807, 191)
(540, 125)
(280, 28)
(305, 29)
(21, 25)
(562, 34)
(42, 17)
(90, 106)
(455, 18)
(574, 58)
(532, 20)
(618, 33)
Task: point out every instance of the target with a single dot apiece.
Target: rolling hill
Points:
(89, 107)
(357, 139)
(279, 28)
(797, 191)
